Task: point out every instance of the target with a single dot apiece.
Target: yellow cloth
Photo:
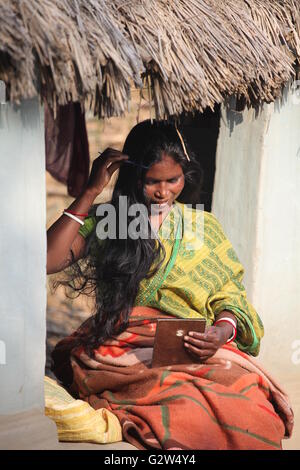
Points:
(205, 276)
(76, 420)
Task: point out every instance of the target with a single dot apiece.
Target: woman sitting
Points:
(141, 272)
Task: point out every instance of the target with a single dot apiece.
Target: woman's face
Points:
(164, 181)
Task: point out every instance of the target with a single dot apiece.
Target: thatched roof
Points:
(189, 54)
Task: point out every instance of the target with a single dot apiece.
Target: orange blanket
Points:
(229, 402)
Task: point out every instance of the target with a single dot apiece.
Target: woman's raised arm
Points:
(63, 236)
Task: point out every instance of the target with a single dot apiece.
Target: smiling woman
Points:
(164, 181)
(227, 400)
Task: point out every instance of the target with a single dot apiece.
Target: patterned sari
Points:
(229, 402)
(201, 274)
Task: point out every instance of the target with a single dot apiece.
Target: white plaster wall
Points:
(22, 256)
(237, 178)
(277, 281)
(257, 199)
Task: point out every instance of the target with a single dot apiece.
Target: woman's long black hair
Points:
(113, 271)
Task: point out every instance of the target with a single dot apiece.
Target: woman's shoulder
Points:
(208, 216)
(211, 218)
(211, 224)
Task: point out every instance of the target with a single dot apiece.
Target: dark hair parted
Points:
(113, 271)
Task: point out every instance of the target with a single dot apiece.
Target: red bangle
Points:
(234, 329)
(75, 213)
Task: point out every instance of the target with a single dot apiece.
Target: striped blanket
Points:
(229, 402)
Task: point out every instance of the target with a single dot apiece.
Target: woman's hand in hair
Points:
(103, 168)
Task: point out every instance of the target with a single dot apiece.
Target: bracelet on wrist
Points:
(73, 217)
(75, 213)
(232, 323)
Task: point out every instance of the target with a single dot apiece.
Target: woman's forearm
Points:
(226, 327)
(61, 235)
(63, 232)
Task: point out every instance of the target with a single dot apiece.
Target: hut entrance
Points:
(201, 132)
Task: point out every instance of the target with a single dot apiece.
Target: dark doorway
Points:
(201, 131)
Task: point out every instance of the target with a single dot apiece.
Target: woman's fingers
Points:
(202, 353)
(197, 338)
(198, 343)
(107, 160)
(116, 156)
(110, 153)
(211, 335)
(113, 167)
(203, 345)
(108, 156)
(103, 168)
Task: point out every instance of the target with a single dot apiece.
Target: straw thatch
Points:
(190, 54)
(67, 50)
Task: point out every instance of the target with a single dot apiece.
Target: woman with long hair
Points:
(171, 261)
